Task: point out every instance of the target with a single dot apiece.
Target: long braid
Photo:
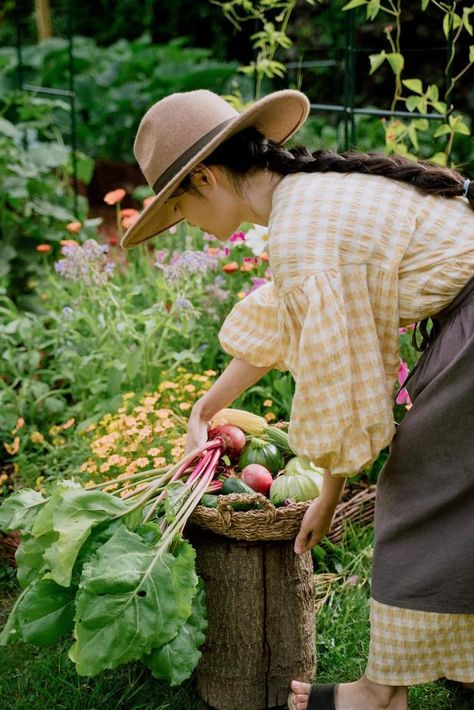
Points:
(250, 150)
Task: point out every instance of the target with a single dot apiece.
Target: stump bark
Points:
(261, 625)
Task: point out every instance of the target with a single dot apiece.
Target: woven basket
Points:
(283, 523)
(266, 523)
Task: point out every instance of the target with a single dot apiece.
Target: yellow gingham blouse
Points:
(352, 257)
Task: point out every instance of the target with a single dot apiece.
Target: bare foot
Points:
(360, 695)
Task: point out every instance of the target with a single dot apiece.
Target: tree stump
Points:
(261, 625)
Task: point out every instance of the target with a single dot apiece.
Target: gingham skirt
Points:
(409, 647)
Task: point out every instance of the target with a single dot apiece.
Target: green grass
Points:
(36, 678)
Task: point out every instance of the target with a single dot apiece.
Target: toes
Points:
(297, 686)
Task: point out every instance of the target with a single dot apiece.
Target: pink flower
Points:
(257, 282)
(403, 397)
(173, 229)
(238, 236)
(114, 196)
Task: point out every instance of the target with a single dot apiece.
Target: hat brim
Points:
(278, 116)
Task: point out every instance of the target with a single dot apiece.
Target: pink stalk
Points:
(202, 465)
(199, 486)
(214, 487)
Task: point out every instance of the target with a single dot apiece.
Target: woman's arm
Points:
(236, 378)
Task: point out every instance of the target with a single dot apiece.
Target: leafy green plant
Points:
(151, 607)
(114, 85)
(36, 202)
(273, 17)
(403, 137)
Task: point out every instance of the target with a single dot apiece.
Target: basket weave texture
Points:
(282, 523)
(266, 523)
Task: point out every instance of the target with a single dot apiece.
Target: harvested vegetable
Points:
(264, 453)
(257, 477)
(300, 481)
(95, 563)
(233, 438)
(255, 426)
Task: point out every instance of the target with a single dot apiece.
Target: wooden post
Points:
(43, 19)
(261, 625)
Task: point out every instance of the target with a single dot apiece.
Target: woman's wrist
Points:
(331, 492)
(201, 411)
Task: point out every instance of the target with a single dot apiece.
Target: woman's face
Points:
(211, 202)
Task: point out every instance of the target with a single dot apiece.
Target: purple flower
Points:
(86, 263)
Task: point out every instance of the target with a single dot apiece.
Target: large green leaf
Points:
(42, 614)
(44, 520)
(20, 509)
(176, 660)
(132, 598)
(46, 612)
(72, 512)
(30, 557)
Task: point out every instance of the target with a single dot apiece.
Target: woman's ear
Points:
(203, 175)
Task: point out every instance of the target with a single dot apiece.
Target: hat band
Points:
(183, 159)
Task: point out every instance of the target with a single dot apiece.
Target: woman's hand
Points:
(236, 378)
(315, 525)
(197, 429)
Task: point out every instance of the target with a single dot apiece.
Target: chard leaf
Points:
(30, 557)
(176, 660)
(42, 614)
(73, 512)
(46, 612)
(44, 520)
(19, 510)
(132, 597)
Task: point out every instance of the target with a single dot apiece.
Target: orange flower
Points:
(264, 256)
(14, 447)
(247, 266)
(68, 243)
(148, 200)
(213, 251)
(44, 248)
(128, 212)
(231, 267)
(73, 227)
(128, 221)
(114, 196)
(19, 423)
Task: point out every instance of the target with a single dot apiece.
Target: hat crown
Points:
(175, 124)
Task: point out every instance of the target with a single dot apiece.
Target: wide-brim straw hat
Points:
(179, 131)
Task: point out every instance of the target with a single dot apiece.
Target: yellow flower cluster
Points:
(145, 432)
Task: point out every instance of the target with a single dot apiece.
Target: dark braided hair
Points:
(249, 151)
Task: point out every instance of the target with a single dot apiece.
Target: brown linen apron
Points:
(424, 517)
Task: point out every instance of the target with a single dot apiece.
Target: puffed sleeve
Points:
(252, 331)
(344, 357)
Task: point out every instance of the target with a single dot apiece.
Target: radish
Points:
(233, 438)
(257, 477)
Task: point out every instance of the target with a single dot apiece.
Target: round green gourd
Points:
(264, 453)
(300, 481)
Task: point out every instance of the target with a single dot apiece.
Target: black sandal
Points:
(322, 697)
